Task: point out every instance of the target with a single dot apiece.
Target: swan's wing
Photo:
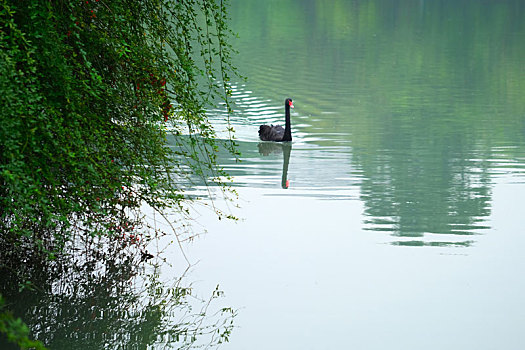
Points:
(271, 133)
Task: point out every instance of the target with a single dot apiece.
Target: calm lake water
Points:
(394, 220)
(402, 225)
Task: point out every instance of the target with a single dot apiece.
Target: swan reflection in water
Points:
(267, 148)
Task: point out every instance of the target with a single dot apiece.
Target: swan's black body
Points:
(277, 132)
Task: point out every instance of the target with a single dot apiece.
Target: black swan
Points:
(277, 132)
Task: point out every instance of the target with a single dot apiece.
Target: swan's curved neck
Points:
(288, 124)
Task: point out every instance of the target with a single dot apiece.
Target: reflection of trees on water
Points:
(410, 196)
(105, 298)
(267, 148)
(426, 169)
(421, 115)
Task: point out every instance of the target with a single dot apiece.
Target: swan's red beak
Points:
(291, 104)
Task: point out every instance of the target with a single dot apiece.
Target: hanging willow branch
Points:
(90, 93)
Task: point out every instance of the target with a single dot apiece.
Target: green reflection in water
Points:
(105, 296)
(421, 101)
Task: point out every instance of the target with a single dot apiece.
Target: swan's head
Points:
(288, 102)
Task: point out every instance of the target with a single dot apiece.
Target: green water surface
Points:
(394, 220)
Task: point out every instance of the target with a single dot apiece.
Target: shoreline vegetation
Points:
(90, 93)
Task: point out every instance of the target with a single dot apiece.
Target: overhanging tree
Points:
(88, 92)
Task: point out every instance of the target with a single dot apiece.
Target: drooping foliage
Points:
(88, 92)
